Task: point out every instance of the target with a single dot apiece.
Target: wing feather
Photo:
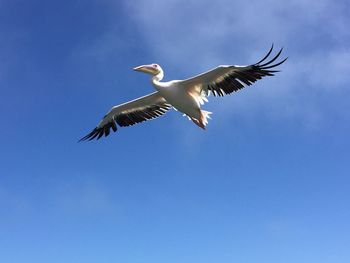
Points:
(136, 111)
(226, 79)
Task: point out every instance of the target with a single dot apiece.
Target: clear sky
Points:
(267, 182)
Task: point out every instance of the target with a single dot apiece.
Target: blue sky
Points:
(267, 182)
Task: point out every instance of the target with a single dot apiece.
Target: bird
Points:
(186, 96)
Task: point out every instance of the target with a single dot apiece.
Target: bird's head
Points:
(153, 69)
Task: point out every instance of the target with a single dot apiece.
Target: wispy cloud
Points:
(188, 37)
(211, 32)
(191, 37)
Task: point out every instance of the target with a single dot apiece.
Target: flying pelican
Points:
(186, 96)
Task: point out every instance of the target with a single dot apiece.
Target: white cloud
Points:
(180, 30)
(192, 36)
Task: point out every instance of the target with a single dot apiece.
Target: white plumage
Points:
(186, 96)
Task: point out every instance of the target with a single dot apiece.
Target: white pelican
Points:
(186, 96)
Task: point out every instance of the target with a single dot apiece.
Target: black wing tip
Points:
(274, 65)
(99, 132)
(266, 56)
(268, 64)
(90, 136)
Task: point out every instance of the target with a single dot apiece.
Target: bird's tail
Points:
(205, 115)
(203, 118)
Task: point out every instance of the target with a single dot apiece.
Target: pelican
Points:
(186, 96)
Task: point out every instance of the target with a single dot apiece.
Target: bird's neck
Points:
(157, 78)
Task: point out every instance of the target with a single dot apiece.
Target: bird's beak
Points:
(146, 69)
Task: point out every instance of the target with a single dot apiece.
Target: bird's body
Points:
(186, 96)
(178, 97)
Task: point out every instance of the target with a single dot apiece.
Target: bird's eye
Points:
(155, 65)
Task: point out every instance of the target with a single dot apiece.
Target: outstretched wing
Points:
(142, 109)
(226, 79)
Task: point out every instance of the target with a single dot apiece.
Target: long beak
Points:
(139, 68)
(145, 68)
